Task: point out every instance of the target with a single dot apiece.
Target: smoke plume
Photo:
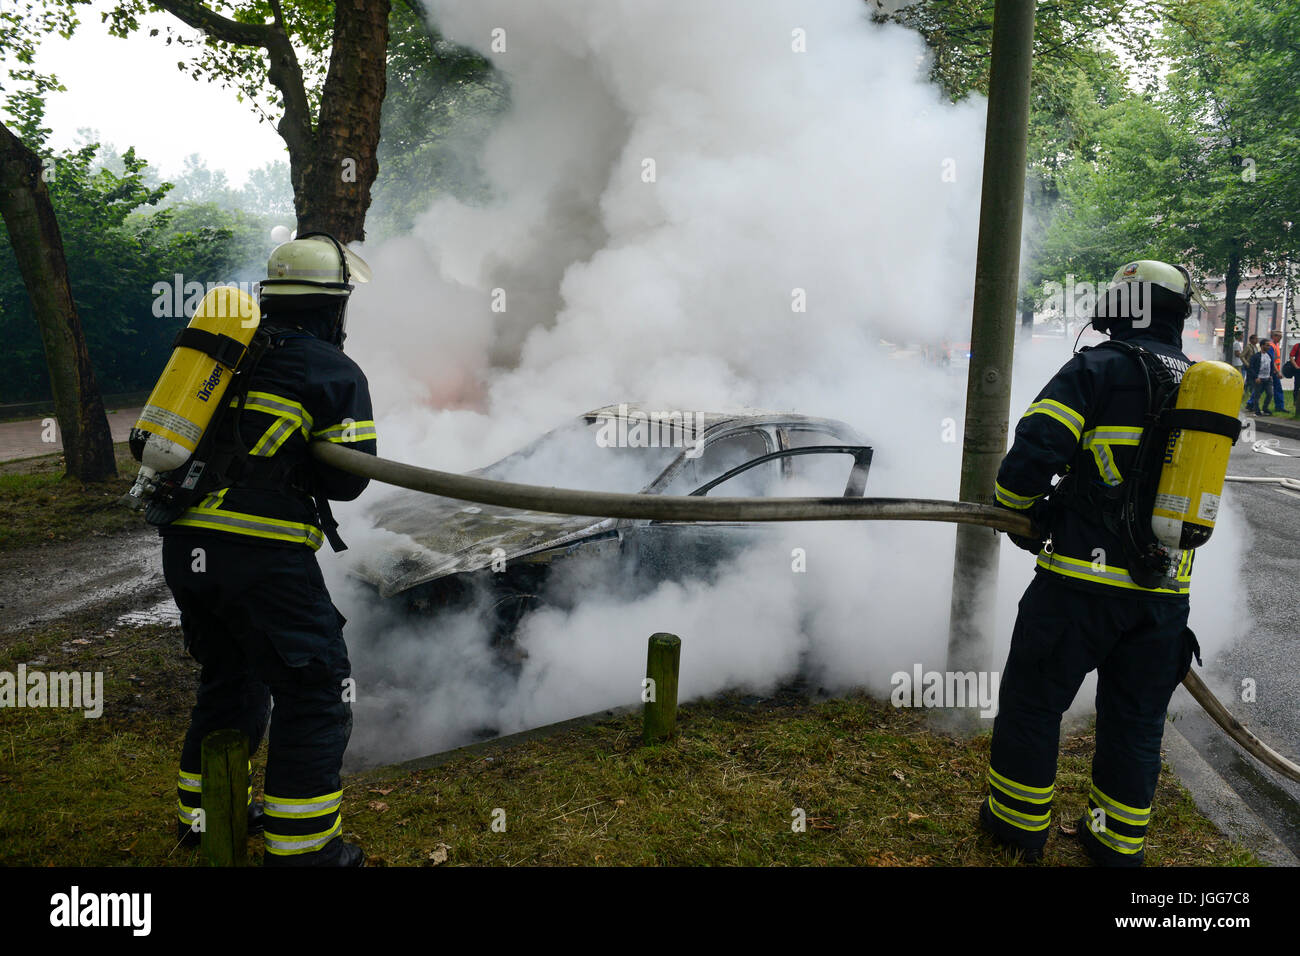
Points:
(699, 207)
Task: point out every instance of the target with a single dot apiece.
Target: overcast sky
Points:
(133, 94)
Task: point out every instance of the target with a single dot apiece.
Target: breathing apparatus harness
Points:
(222, 459)
(1126, 508)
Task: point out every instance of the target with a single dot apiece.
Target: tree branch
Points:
(210, 22)
(283, 71)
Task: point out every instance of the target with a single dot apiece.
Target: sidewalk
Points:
(25, 439)
(1283, 425)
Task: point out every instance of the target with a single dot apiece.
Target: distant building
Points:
(1260, 304)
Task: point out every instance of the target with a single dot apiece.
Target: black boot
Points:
(334, 853)
(1099, 853)
(989, 824)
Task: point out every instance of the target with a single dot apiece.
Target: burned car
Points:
(460, 552)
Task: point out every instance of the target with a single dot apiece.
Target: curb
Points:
(494, 744)
(1215, 798)
(1288, 427)
(26, 411)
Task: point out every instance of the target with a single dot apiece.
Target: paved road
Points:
(1270, 653)
(26, 439)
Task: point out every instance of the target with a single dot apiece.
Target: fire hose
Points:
(689, 508)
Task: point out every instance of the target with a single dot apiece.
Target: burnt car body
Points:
(459, 552)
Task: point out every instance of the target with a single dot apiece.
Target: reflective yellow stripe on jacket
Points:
(1009, 499)
(209, 514)
(1100, 441)
(1115, 577)
(290, 416)
(346, 431)
(1057, 411)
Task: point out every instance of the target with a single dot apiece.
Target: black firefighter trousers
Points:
(260, 622)
(1141, 649)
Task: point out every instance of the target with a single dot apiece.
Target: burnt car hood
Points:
(447, 536)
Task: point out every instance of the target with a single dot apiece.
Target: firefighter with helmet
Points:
(241, 562)
(1094, 602)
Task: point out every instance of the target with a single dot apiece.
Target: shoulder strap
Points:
(1126, 508)
(226, 350)
(206, 470)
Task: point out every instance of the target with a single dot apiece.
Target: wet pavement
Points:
(55, 580)
(1267, 655)
(39, 436)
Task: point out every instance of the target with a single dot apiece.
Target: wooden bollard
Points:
(660, 693)
(225, 798)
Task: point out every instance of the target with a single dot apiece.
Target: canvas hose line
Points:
(689, 508)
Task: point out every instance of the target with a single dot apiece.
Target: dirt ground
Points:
(104, 578)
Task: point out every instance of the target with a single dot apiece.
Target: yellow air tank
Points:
(191, 387)
(1196, 461)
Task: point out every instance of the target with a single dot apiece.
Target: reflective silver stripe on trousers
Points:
(287, 845)
(302, 809)
(1139, 819)
(1117, 844)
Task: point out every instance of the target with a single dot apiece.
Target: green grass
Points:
(876, 785)
(1287, 394)
(39, 504)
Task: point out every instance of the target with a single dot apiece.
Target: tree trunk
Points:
(333, 175)
(1231, 280)
(38, 247)
(332, 162)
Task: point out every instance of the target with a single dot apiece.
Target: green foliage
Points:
(267, 191)
(441, 102)
(117, 249)
(1077, 75)
(959, 34)
(22, 86)
(1201, 171)
(309, 25)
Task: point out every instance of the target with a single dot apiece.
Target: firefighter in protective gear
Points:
(1083, 611)
(241, 563)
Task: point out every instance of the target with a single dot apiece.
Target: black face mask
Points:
(1162, 330)
(324, 316)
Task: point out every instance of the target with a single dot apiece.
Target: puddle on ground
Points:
(164, 612)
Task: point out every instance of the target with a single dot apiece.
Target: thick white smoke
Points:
(698, 206)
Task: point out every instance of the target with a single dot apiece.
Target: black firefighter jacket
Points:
(303, 389)
(1089, 417)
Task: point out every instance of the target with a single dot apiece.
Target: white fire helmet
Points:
(1141, 286)
(313, 264)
